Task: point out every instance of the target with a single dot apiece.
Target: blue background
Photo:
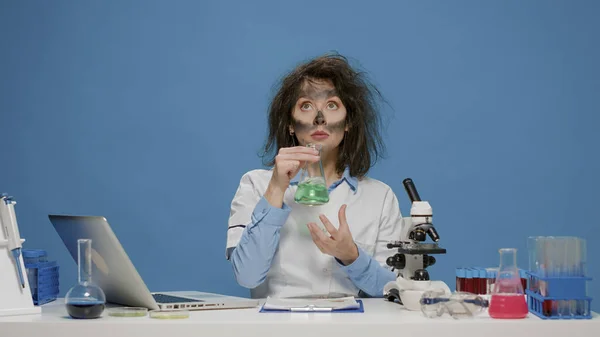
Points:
(149, 112)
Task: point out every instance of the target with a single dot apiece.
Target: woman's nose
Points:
(319, 119)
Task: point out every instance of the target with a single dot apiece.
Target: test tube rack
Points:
(16, 300)
(563, 297)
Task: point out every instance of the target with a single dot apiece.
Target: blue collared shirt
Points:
(273, 255)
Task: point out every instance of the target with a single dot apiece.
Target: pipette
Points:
(11, 231)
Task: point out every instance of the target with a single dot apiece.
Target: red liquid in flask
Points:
(508, 300)
(508, 306)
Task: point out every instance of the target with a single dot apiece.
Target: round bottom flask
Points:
(85, 300)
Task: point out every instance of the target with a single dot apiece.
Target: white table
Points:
(380, 319)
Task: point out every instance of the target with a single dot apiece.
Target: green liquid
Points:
(311, 194)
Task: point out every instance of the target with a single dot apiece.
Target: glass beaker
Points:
(85, 300)
(508, 298)
(312, 189)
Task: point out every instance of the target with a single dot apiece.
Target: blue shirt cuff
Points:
(265, 213)
(359, 266)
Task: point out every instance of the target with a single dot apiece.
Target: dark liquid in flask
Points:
(85, 310)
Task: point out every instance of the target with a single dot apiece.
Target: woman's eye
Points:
(305, 106)
(332, 105)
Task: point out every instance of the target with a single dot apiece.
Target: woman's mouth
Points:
(319, 135)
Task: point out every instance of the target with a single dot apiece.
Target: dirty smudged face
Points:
(319, 115)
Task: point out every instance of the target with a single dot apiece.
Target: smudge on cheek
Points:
(336, 127)
(302, 127)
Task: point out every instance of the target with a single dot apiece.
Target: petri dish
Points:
(127, 312)
(169, 314)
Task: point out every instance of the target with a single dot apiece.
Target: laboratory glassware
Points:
(85, 300)
(508, 297)
(312, 189)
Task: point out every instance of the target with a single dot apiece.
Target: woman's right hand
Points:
(288, 162)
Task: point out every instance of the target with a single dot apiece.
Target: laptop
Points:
(116, 275)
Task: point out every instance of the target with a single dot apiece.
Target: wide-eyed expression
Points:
(319, 115)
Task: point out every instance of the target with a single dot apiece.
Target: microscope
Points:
(414, 255)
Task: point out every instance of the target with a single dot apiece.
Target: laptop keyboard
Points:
(162, 298)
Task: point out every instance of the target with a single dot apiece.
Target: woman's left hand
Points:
(340, 244)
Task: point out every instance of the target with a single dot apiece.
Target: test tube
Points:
(482, 281)
(581, 257)
(571, 256)
(460, 279)
(477, 280)
(468, 280)
(457, 283)
(475, 272)
(539, 266)
(582, 306)
(555, 259)
(542, 256)
(570, 307)
(532, 247)
(534, 262)
(564, 256)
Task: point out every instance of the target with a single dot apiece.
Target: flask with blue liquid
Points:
(85, 300)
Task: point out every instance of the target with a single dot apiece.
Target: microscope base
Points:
(409, 293)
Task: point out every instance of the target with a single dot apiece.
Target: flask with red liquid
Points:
(508, 298)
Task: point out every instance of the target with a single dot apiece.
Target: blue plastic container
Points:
(31, 256)
(42, 275)
(44, 282)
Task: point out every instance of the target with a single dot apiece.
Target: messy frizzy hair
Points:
(362, 144)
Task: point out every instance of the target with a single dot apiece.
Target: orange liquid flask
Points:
(508, 300)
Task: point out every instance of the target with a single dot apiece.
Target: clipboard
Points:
(316, 309)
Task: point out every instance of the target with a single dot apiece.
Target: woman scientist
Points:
(280, 248)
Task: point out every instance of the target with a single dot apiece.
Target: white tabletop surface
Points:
(381, 318)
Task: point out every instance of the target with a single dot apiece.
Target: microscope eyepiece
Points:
(410, 188)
